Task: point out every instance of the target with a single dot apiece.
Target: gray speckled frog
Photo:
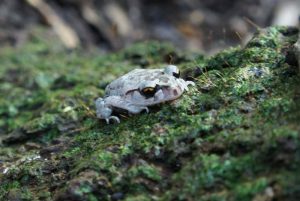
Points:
(140, 88)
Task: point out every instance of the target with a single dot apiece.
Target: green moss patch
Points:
(235, 136)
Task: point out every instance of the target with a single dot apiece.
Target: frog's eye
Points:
(172, 70)
(148, 91)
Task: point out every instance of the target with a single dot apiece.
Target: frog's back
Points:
(130, 81)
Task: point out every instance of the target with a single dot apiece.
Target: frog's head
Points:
(156, 92)
(168, 86)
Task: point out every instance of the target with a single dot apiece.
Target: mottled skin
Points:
(127, 92)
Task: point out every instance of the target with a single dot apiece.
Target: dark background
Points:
(205, 26)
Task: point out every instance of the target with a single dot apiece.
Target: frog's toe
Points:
(146, 109)
(190, 83)
(187, 83)
(116, 119)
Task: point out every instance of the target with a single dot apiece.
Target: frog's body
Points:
(140, 88)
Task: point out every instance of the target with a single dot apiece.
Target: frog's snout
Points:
(170, 93)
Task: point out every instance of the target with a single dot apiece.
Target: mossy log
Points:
(235, 136)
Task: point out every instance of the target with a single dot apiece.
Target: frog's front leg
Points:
(184, 84)
(104, 111)
(104, 107)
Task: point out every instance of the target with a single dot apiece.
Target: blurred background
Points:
(108, 25)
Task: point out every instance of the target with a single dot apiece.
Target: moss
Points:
(8, 186)
(247, 190)
(146, 171)
(15, 190)
(235, 136)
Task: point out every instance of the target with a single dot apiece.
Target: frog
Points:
(140, 88)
